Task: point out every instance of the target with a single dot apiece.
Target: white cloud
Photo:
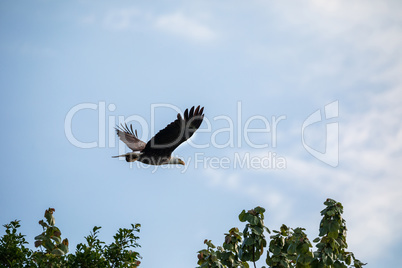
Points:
(353, 40)
(357, 41)
(125, 19)
(176, 24)
(367, 181)
(184, 26)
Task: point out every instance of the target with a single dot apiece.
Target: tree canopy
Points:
(285, 248)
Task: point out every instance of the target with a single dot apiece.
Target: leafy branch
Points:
(287, 248)
(53, 250)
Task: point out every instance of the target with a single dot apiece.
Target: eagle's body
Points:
(159, 149)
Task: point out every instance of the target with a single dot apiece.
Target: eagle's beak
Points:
(181, 162)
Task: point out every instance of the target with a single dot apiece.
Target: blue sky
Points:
(263, 60)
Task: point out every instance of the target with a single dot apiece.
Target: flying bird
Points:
(158, 150)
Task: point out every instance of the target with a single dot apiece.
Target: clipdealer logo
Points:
(238, 133)
(330, 155)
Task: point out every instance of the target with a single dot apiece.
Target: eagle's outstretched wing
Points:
(177, 132)
(130, 138)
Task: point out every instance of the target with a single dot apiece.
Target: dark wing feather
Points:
(177, 132)
(130, 138)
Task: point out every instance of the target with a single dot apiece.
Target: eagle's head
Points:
(176, 161)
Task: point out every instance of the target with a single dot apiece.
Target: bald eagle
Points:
(158, 150)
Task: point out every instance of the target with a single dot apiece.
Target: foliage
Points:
(254, 240)
(288, 247)
(332, 239)
(53, 250)
(13, 253)
(117, 254)
(50, 243)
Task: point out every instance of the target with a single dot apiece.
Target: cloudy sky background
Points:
(260, 58)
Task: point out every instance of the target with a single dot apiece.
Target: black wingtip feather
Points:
(191, 112)
(126, 129)
(131, 127)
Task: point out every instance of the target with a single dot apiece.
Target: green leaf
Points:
(257, 230)
(259, 210)
(242, 216)
(39, 237)
(254, 220)
(48, 245)
(57, 252)
(209, 243)
(56, 239)
(63, 248)
(292, 248)
(249, 241)
(330, 213)
(333, 235)
(275, 249)
(316, 240)
(348, 259)
(305, 248)
(334, 226)
(338, 264)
